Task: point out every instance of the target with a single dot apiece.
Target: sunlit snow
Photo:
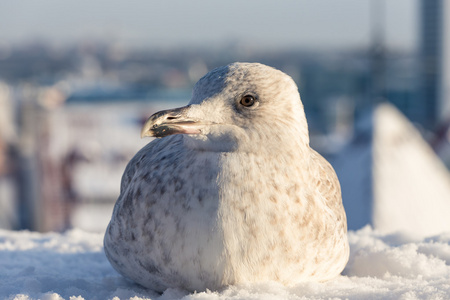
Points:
(73, 266)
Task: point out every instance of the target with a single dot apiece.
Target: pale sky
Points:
(205, 23)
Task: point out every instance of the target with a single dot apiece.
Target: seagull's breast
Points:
(276, 224)
(213, 219)
(167, 221)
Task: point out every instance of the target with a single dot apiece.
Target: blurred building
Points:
(445, 77)
(8, 163)
(435, 58)
(430, 54)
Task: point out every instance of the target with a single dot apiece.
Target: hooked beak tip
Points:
(146, 132)
(169, 122)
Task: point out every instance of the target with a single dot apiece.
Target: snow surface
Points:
(411, 184)
(391, 178)
(73, 266)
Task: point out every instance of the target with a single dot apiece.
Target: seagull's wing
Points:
(327, 183)
(150, 158)
(134, 164)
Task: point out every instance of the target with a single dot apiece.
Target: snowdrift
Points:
(73, 266)
(392, 179)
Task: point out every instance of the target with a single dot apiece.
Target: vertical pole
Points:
(377, 52)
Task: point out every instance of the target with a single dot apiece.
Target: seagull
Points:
(229, 192)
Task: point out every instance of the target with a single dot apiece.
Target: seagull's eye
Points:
(247, 100)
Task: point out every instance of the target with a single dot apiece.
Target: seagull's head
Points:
(238, 107)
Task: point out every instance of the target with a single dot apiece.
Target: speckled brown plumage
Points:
(231, 194)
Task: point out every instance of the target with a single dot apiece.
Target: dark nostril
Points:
(171, 118)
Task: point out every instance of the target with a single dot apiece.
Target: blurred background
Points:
(79, 78)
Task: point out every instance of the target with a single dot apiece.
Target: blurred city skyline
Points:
(204, 24)
(77, 80)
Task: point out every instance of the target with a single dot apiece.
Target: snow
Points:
(411, 184)
(392, 179)
(73, 266)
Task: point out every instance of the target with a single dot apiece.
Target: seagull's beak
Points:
(172, 121)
